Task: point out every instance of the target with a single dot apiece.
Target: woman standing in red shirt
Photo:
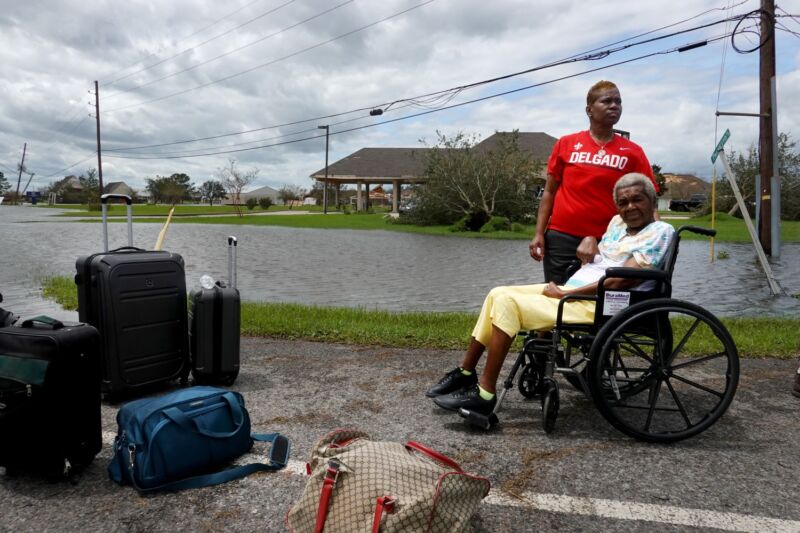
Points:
(576, 204)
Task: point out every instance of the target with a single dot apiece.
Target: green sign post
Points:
(720, 144)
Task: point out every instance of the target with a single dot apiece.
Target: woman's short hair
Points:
(633, 179)
(597, 88)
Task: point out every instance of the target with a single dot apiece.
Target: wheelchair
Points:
(658, 369)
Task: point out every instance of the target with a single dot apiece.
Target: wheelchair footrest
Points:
(478, 419)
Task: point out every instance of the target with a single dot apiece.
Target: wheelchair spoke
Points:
(685, 339)
(699, 360)
(633, 348)
(697, 385)
(678, 403)
(655, 390)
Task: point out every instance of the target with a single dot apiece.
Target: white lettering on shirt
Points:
(607, 160)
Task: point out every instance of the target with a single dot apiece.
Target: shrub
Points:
(516, 227)
(496, 224)
(93, 206)
(251, 203)
(265, 202)
(460, 225)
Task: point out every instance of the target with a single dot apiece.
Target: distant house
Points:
(404, 166)
(538, 145)
(682, 186)
(261, 192)
(118, 187)
(68, 190)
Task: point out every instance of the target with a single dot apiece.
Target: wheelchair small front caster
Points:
(476, 419)
(550, 404)
(530, 382)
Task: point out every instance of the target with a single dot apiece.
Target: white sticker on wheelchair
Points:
(615, 301)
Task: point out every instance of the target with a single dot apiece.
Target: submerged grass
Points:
(754, 336)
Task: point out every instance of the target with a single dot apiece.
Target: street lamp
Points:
(326, 127)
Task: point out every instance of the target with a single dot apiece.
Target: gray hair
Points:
(635, 178)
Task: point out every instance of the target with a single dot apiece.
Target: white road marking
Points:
(664, 514)
(615, 509)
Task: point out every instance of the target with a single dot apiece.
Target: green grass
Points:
(754, 337)
(732, 229)
(340, 221)
(61, 289)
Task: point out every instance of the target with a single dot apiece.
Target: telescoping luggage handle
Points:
(104, 207)
(232, 243)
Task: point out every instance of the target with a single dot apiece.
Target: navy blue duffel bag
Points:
(181, 440)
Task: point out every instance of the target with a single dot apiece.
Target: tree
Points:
(91, 186)
(661, 180)
(4, 184)
(170, 189)
(235, 180)
(745, 167)
(289, 193)
(211, 190)
(465, 182)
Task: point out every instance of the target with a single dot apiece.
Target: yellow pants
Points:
(524, 307)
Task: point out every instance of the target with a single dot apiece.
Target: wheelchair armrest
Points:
(567, 298)
(697, 229)
(634, 273)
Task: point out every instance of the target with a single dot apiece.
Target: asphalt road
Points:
(741, 475)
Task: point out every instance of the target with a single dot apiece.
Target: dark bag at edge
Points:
(49, 397)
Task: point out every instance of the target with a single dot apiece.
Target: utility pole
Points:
(766, 142)
(97, 117)
(19, 178)
(325, 189)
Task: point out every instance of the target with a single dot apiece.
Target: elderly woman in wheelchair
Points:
(658, 369)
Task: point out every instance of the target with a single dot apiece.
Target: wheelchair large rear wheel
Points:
(663, 370)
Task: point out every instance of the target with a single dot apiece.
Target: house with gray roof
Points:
(404, 166)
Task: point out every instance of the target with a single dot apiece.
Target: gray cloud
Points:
(53, 51)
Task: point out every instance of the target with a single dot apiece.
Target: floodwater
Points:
(370, 269)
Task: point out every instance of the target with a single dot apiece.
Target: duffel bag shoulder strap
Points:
(436, 456)
(278, 458)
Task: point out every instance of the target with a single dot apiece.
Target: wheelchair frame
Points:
(632, 363)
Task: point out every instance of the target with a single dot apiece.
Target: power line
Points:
(183, 39)
(430, 99)
(422, 113)
(69, 167)
(784, 28)
(241, 73)
(252, 43)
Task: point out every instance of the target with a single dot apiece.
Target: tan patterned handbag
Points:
(360, 485)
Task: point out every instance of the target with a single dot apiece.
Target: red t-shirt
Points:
(584, 204)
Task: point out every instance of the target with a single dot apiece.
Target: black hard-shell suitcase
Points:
(214, 323)
(49, 397)
(137, 301)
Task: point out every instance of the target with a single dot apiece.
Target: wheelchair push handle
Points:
(697, 229)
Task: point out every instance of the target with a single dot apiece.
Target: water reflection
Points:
(372, 269)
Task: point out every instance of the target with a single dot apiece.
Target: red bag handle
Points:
(436, 456)
(384, 504)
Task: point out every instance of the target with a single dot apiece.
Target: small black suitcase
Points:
(137, 301)
(214, 323)
(49, 397)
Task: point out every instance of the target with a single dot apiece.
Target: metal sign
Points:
(720, 144)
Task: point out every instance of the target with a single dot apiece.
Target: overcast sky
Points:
(180, 70)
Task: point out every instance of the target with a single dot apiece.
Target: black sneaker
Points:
(469, 399)
(451, 382)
